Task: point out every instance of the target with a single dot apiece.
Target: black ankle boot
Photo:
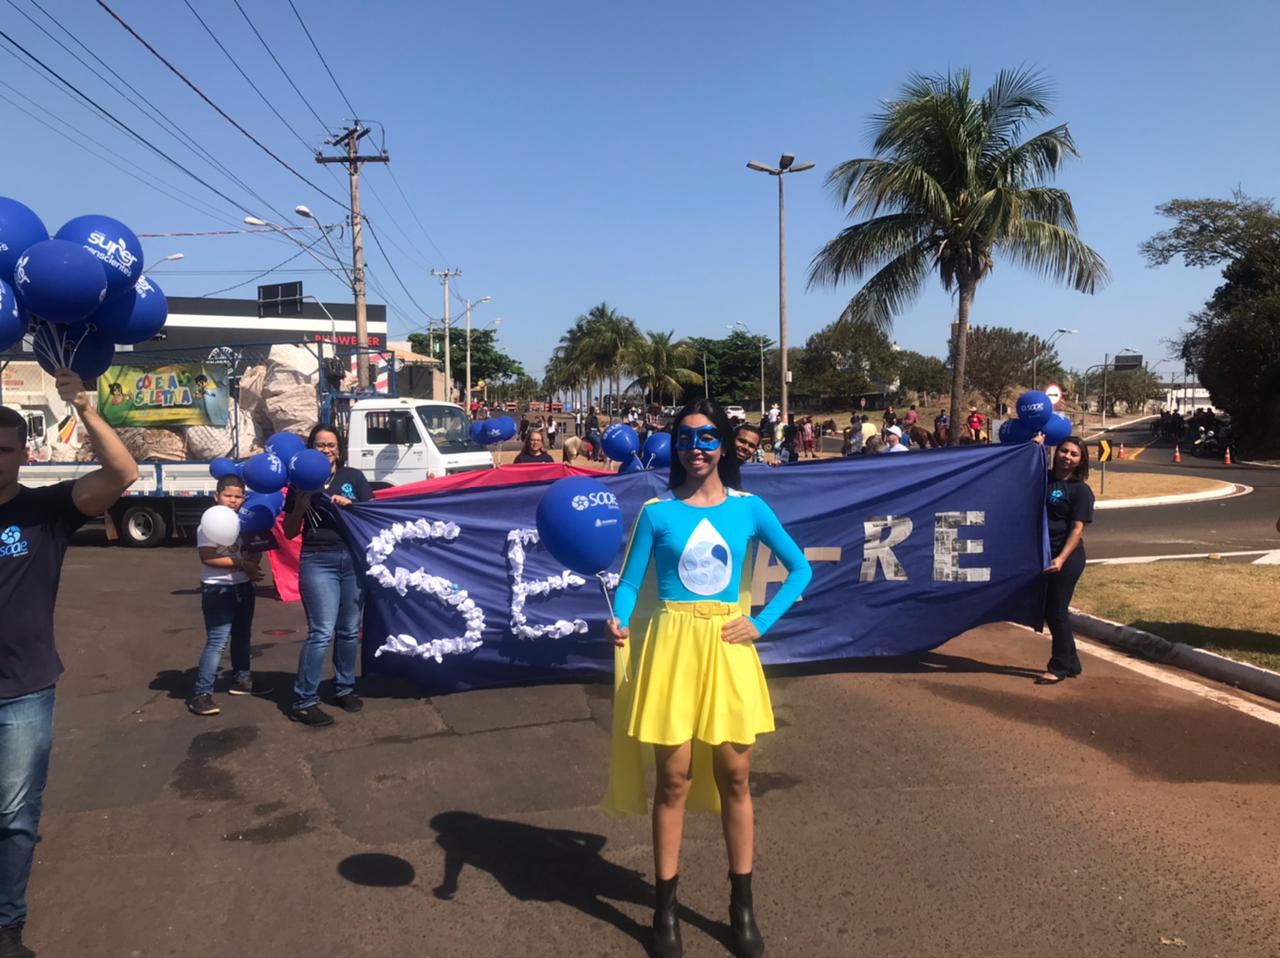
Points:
(11, 945)
(747, 942)
(666, 921)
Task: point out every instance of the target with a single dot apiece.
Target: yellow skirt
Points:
(686, 684)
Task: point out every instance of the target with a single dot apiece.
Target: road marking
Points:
(1269, 558)
(1242, 705)
(1138, 560)
(1139, 451)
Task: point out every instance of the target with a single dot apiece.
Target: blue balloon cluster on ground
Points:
(1036, 416)
(79, 294)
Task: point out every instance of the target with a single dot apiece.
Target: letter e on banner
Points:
(948, 547)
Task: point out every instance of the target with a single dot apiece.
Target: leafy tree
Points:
(488, 362)
(733, 367)
(1234, 342)
(918, 373)
(1000, 359)
(844, 360)
(1133, 387)
(951, 184)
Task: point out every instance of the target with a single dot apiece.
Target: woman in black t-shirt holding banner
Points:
(332, 593)
(1069, 504)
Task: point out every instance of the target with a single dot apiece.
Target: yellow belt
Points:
(702, 609)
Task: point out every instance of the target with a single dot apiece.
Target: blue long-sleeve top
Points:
(699, 552)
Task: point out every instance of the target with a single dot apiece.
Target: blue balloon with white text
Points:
(20, 229)
(13, 322)
(1034, 409)
(265, 472)
(580, 524)
(620, 442)
(113, 244)
(135, 316)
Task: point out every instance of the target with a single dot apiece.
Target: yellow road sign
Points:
(1104, 451)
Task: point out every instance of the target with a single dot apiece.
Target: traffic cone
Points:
(1121, 456)
(1227, 459)
(1177, 453)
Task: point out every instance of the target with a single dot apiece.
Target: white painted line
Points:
(1261, 465)
(1119, 425)
(1269, 558)
(1139, 560)
(1225, 490)
(1243, 705)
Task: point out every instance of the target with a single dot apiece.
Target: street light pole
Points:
(786, 164)
(445, 275)
(1057, 334)
(466, 399)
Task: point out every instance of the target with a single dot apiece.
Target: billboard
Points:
(185, 394)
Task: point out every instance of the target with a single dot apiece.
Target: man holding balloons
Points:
(35, 529)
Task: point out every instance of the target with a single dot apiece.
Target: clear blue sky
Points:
(570, 153)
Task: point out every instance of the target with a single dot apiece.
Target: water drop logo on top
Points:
(704, 564)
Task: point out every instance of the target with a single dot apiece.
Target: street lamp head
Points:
(761, 168)
(254, 221)
(801, 168)
(484, 299)
(1064, 330)
(174, 257)
(303, 211)
(786, 160)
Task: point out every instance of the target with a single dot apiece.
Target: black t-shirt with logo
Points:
(320, 528)
(1067, 501)
(35, 530)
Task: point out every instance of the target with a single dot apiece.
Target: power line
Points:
(120, 123)
(322, 60)
(271, 53)
(391, 266)
(227, 289)
(153, 112)
(221, 112)
(235, 63)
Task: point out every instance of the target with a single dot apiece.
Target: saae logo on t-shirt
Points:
(1057, 494)
(12, 543)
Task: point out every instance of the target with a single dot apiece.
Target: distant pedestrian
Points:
(577, 422)
(893, 439)
(1069, 505)
(553, 429)
(806, 435)
(227, 599)
(976, 422)
(37, 527)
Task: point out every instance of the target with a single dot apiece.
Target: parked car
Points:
(736, 414)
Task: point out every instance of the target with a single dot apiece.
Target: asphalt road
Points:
(941, 807)
(1226, 525)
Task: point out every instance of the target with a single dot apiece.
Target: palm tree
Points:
(661, 366)
(950, 184)
(601, 339)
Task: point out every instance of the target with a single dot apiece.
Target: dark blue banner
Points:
(908, 551)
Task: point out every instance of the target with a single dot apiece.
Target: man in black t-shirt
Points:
(35, 529)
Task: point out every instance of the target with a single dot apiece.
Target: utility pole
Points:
(445, 275)
(350, 139)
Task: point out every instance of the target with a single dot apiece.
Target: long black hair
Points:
(730, 473)
(342, 441)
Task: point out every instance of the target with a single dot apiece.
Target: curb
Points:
(1251, 678)
(1226, 490)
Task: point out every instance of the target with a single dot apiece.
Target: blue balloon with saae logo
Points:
(1034, 409)
(580, 523)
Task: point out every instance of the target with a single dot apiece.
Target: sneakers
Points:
(245, 685)
(11, 945)
(312, 715)
(349, 702)
(196, 705)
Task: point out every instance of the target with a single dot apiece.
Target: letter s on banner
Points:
(948, 547)
(880, 551)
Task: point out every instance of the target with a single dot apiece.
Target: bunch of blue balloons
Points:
(286, 461)
(622, 445)
(1035, 415)
(79, 295)
(486, 432)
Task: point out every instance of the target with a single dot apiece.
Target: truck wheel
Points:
(142, 527)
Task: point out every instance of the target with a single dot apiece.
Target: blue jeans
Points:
(333, 597)
(228, 615)
(26, 735)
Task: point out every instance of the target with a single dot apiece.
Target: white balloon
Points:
(220, 525)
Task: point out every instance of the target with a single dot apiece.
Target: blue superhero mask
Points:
(704, 439)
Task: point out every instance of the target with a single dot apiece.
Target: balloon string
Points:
(626, 664)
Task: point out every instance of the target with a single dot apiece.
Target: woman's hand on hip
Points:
(739, 630)
(615, 632)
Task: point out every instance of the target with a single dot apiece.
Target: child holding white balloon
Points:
(227, 597)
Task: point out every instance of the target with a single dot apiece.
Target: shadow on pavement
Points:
(1223, 641)
(551, 865)
(900, 665)
(377, 870)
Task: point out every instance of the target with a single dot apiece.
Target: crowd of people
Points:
(695, 684)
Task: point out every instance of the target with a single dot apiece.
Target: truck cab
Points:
(398, 441)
